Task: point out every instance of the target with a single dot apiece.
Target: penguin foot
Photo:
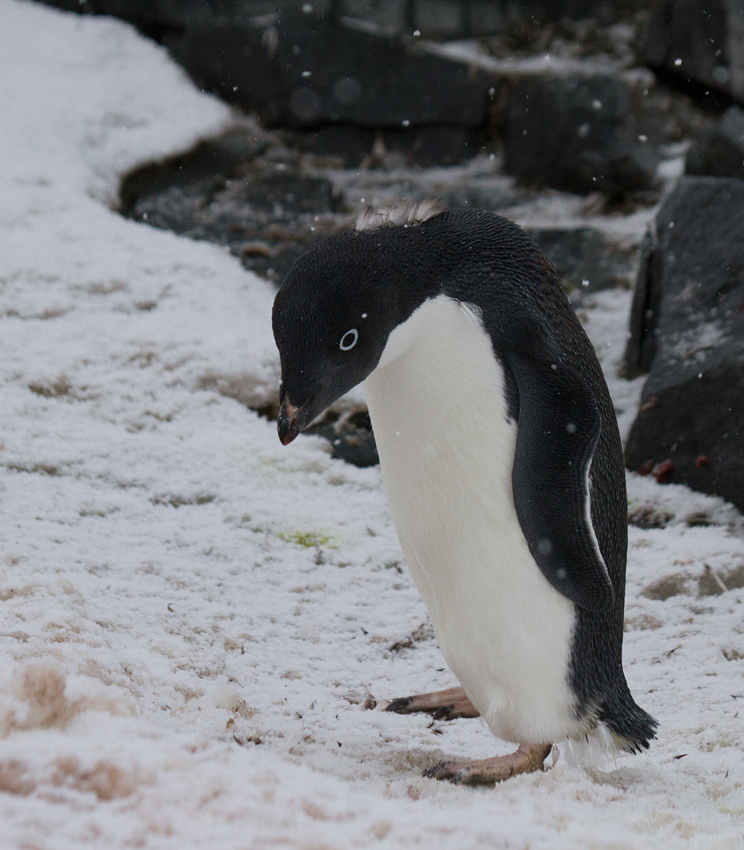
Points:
(528, 758)
(442, 705)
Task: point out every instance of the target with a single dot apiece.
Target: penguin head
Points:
(340, 302)
(332, 317)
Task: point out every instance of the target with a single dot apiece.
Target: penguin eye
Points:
(349, 339)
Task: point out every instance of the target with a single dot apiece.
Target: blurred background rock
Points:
(578, 119)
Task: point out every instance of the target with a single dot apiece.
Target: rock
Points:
(345, 425)
(650, 516)
(477, 185)
(699, 519)
(716, 582)
(666, 587)
(688, 320)
(587, 259)
(153, 18)
(710, 583)
(719, 151)
(469, 18)
(734, 579)
(304, 71)
(356, 146)
(248, 389)
(641, 346)
(267, 220)
(699, 43)
(242, 190)
(567, 132)
(350, 436)
(163, 13)
(440, 18)
(209, 165)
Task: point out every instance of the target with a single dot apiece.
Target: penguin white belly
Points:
(446, 448)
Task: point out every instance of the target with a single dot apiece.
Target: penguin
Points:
(501, 461)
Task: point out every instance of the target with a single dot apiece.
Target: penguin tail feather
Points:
(630, 726)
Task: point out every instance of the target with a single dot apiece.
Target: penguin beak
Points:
(291, 421)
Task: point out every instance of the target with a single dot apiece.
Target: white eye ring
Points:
(349, 339)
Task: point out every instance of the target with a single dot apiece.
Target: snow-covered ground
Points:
(191, 616)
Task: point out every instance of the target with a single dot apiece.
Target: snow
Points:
(472, 53)
(191, 616)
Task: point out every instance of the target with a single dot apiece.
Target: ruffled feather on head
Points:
(399, 213)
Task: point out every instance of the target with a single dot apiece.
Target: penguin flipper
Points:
(558, 428)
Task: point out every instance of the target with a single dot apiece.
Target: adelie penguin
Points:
(501, 461)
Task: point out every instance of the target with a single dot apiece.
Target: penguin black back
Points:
(516, 261)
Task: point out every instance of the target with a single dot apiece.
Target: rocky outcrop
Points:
(719, 150)
(303, 70)
(249, 191)
(688, 325)
(568, 132)
(587, 259)
(441, 18)
(243, 190)
(352, 84)
(698, 42)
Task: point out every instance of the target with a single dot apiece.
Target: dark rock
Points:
(268, 239)
(351, 440)
(699, 519)
(304, 70)
(154, 18)
(648, 516)
(248, 192)
(209, 165)
(587, 259)
(243, 191)
(719, 151)
(468, 18)
(567, 132)
(346, 143)
(268, 220)
(442, 18)
(641, 347)
(430, 146)
(353, 146)
(162, 15)
(347, 429)
(692, 316)
(698, 42)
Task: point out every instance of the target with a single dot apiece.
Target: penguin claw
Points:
(400, 705)
(442, 705)
(442, 770)
(458, 773)
(526, 759)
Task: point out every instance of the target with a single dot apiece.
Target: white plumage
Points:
(446, 446)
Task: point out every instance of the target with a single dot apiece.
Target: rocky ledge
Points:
(575, 119)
